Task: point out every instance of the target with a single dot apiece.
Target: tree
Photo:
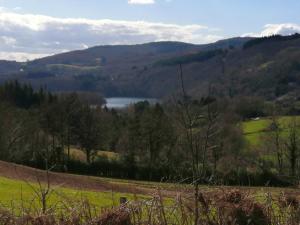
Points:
(90, 130)
(292, 145)
(69, 108)
(51, 123)
(188, 118)
(117, 123)
(14, 130)
(156, 135)
(249, 107)
(276, 141)
(198, 120)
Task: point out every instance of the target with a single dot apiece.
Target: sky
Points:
(32, 29)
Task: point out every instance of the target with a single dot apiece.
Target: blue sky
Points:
(45, 22)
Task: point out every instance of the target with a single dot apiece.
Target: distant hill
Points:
(268, 67)
(9, 66)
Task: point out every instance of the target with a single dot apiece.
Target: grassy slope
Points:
(20, 182)
(13, 192)
(255, 130)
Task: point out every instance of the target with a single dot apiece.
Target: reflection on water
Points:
(123, 102)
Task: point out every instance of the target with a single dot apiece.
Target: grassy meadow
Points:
(217, 205)
(255, 130)
(14, 193)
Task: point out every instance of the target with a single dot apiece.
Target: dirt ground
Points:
(28, 174)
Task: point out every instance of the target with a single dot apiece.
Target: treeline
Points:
(38, 126)
(182, 139)
(272, 38)
(23, 96)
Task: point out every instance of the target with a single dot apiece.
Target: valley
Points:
(216, 131)
(149, 112)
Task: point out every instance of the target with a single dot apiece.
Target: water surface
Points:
(120, 102)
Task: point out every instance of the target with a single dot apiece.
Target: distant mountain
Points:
(112, 70)
(267, 67)
(9, 66)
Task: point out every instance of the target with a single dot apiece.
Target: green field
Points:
(73, 68)
(20, 198)
(14, 193)
(254, 131)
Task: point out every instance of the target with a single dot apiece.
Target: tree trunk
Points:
(196, 210)
(88, 156)
(68, 144)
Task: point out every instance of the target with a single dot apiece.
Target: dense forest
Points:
(176, 140)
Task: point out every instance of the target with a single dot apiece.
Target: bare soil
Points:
(28, 174)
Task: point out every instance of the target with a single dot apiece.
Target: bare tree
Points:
(292, 145)
(43, 190)
(276, 139)
(199, 122)
(90, 131)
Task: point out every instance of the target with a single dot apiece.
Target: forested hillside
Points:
(267, 67)
(112, 70)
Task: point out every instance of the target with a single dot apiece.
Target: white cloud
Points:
(7, 40)
(28, 36)
(141, 2)
(274, 29)
(20, 56)
(17, 8)
(283, 29)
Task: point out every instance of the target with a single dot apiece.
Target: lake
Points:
(120, 102)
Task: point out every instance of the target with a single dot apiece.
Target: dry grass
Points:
(220, 208)
(79, 155)
(218, 205)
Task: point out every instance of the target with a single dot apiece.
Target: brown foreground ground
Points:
(232, 205)
(28, 174)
